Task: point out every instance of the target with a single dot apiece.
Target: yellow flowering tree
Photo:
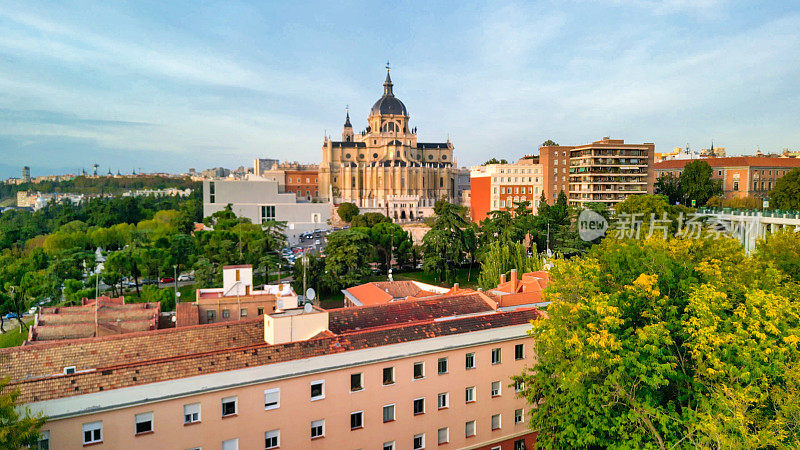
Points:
(667, 344)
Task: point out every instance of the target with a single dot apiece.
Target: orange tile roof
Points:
(380, 292)
(529, 289)
(147, 357)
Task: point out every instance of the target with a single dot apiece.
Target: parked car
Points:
(185, 277)
(317, 242)
(149, 281)
(167, 279)
(11, 316)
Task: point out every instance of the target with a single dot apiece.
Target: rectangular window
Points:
(495, 356)
(267, 212)
(317, 428)
(469, 394)
(230, 444)
(443, 400)
(419, 370)
(443, 435)
(469, 428)
(470, 361)
(272, 439)
(419, 406)
(272, 399)
(92, 432)
(191, 413)
(317, 390)
(388, 445)
(519, 351)
(356, 420)
(211, 315)
(226, 313)
(518, 416)
(260, 311)
(211, 192)
(388, 375)
(519, 386)
(228, 406)
(69, 370)
(519, 444)
(419, 441)
(495, 388)
(356, 382)
(388, 413)
(735, 185)
(243, 312)
(496, 419)
(441, 366)
(44, 441)
(144, 422)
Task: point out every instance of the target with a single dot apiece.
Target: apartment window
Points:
(69, 370)
(228, 406)
(211, 315)
(260, 311)
(44, 441)
(243, 312)
(191, 413)
(211, 192)
(502, 190)
(470, 361)
(443, 400)
(388, 445)
(519, 444)
(469, 394)
(519, 351)
(419, 370)
(496, 419)
(518, 416)
(317, 390)
(419, 441)
(272, 399)
(356, 383)
(226, 313)
(388, 375)
(735, 185)
(495, 388)
(267, 212)
(317, 428)
(388, 413)
(357, 420)
(495, 356)
(93, 432)
(441, 366)
(272, 439)
(419, 406)
(443, 435)
(230, 444)
(519, 386)
(469, 428)
(143, 423)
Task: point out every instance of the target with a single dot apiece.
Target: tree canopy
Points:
(495, 161)
(667, 343)
(786, 193)
(696, 183)
(549, 143)
(17, 428)
(347, 211)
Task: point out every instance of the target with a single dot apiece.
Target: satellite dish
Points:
(308, 308)
(310, 294)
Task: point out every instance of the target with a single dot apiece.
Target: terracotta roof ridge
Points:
(130, 335)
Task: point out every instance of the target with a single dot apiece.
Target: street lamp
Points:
(175, 280)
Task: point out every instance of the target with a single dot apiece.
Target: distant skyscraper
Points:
(26, 174)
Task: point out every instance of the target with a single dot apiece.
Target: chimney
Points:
(513, 280)
(502, 278)
(455, 286)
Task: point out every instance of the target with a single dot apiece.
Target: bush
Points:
(347, 211)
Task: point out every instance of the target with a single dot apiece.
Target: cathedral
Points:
(383, 168)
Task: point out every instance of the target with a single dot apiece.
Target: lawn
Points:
(12, 337)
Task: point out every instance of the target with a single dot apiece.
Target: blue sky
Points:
(172, 85)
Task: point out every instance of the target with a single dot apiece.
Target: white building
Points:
(259, 200)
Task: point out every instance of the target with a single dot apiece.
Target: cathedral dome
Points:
(388, 103)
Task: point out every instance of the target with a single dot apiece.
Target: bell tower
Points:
(347, 132)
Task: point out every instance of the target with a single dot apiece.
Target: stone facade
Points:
(383, 168)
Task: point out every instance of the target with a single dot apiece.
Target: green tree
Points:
(696, 183)
(665, 343)
(782, 249)
(347, 259)
(447, 243)
(549, 143)
(669, 186)
(495, 161)
(347, 211)
(786, 193)
(18, 427)
(368, 220)
(500, 257)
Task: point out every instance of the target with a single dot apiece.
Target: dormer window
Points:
(69, 370)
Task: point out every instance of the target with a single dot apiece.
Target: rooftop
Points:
(379, 292)
(114, 362)
(732, 161)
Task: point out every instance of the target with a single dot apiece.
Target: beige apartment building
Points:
(497, 187)
(427, 373)
(384, 168)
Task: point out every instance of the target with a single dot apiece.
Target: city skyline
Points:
(177, 86)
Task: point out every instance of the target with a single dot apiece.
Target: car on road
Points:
(11, 316)
(167, 279)
(185, 277)
(317, 242)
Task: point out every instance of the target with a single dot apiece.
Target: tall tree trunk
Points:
(2, 324)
